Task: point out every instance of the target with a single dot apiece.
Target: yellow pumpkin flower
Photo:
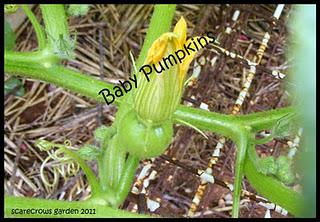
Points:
(161, 78)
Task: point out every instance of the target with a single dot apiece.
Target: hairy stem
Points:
(56, 24)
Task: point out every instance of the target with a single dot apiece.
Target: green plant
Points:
(120, 153)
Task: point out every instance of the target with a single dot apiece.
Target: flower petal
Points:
(157, 50)
(184, 66)
(181, 30)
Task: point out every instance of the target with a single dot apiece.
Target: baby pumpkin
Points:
(142, 138)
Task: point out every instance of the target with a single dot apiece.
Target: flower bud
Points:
(159, 92)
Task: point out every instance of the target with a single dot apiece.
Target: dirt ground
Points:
(57, 115)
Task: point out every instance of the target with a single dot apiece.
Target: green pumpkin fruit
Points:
(143, 139)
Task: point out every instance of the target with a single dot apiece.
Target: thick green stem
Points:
(26, 66)
(30, 64)
(55, 20)
(264, 120)
(56, 25)
(14, 204)
(37, 27)
(225, 125)
(252, 154)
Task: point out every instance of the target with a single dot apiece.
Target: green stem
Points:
(114, 160)
(55, 20)
(56, 25)
(242, 143)
(103, 179)
(37, 27)
(24, 64)
(252, 154)
(30, 64)
(102, 167)
(13, 204)
(264, 120)
(225, 125)
(273, 189)
(127, 178)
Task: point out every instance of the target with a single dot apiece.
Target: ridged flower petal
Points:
(158, 96)
(181, 30)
